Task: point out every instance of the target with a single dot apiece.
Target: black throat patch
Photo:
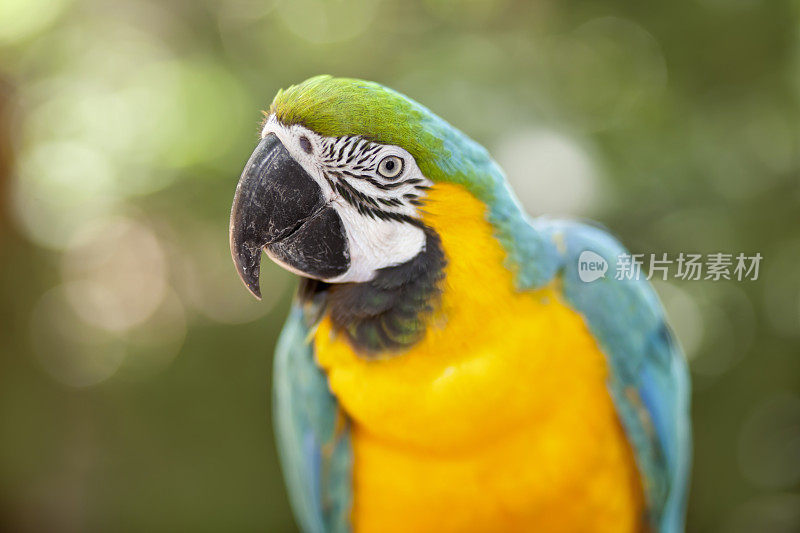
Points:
(387, 314)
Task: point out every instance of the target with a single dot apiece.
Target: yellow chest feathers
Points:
(498, 420)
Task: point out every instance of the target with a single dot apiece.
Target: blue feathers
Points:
(313, 441)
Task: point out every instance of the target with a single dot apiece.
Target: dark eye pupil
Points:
(390, 165)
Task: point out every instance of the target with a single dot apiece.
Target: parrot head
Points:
(333, 191)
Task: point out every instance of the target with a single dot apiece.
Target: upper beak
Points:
(274, 197)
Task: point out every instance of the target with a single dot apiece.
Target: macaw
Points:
(443, 367)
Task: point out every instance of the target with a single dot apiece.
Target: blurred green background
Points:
(135, 368)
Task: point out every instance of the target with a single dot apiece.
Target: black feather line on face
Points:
(350, 193)
(339, 152)
(367, 205)
(369, 155)
(388, 314)
(390, 202)
(385, 186)
(349, 173)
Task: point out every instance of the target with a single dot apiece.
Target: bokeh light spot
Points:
(73, 352)
(20, 19)
(550, 172)
(117, 274)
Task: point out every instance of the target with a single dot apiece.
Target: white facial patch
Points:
(378, 210)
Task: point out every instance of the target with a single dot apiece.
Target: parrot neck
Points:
(389, 313)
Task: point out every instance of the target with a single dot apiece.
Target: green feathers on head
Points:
(336, 107)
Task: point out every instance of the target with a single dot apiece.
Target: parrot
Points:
(443, 366)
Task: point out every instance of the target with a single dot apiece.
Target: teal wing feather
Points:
(312, 434)
(649, 382)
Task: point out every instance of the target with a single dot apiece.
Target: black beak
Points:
(278, 206)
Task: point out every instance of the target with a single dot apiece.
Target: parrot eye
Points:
(390, 166)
